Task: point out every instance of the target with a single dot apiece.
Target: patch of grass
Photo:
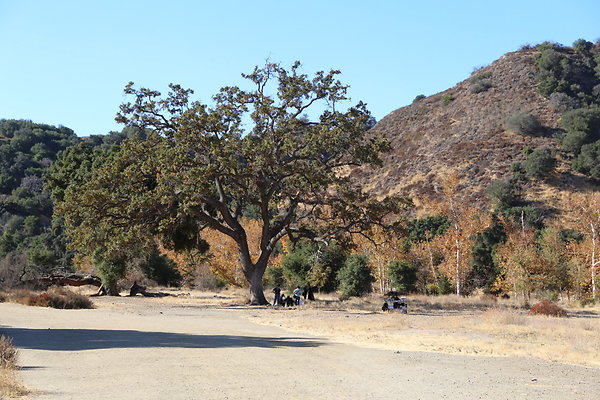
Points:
(56, 297)
(475, 325)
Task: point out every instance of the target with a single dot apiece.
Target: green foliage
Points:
(297, 263)
(274, 277)
(539, 164)
(160, 269)
(588, 160)
(110, 269)
(571, 73)
(571, 235)
(418, 98)
(480, 82)
(443, 285)
(524, 123)
(447, 99)
(355, 278)
(531, 216)
(27, 231)
(582, 46)
(425, 229)
(208, 164)
(562, 102)
(485, 269)
(504, 193)
(403, 276)
(311, 264)
(582, 127)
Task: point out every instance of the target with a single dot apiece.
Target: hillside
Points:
(462, 130)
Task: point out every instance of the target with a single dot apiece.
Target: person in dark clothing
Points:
(289, 301)
(277, 301)
(310, 295)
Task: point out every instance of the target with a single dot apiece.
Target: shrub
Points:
(56, 297)
(355, 277)
(480, 82)
(582, 126)
(588, 160)
(547, 307)
(531, 216)
(562, 102)
(447, 99)
(403, 276)
(443, 285)
(539, 164)
(582, 119)
(419, 98)
(8, 353)
(160, 269)
(523, 123)
(480, 87)
(582, 46)
(504, 193)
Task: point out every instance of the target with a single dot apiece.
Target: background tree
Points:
(586, 213)
(204, 166)
(457, 241)
(403, 276)
(355, 278)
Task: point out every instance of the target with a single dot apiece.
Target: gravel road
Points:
(126, 349)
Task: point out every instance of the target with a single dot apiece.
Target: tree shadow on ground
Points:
(95, 339)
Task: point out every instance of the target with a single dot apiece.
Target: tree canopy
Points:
(281, 149)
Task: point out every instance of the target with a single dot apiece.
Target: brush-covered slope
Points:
(462, 131)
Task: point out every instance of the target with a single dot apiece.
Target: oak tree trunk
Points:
(254, 275)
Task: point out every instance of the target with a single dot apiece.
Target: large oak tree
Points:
(281, 150)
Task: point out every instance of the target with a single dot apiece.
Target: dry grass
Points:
(449, 324)
(56, 297)
(10, 387)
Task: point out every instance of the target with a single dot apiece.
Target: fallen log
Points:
(71, 280)
(135, 289)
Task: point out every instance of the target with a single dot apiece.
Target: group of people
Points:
(295, 299)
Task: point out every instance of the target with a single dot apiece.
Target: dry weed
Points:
(56, 297)
(475, 325)
(9, 384)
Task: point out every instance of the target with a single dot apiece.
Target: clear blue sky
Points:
(66, 62)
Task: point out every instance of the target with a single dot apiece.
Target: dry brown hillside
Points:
(462, 131)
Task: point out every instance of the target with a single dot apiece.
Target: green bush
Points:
(582, 46)
(480, 82)
(588, 160)
(539, 164)
(307, 264)
(424, 229)
(480, 87)
(355, 278)
(161, 269)
(504, 193)
(562, 102)
(582, 127)
(524, 123)
(403, 276)
(447, 99)
(443, 285)
(419, 98)
(531, 216)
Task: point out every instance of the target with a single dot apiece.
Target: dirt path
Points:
(168, 351)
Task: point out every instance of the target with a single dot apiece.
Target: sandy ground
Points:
(138, 348)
